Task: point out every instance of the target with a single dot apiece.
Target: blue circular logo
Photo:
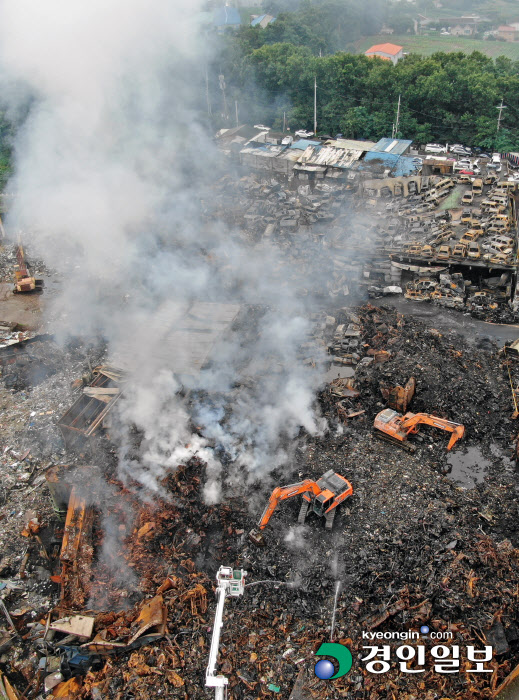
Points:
(424, 629)
(324, 669)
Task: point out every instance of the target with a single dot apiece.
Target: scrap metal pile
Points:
(322, 232)
(117, 600)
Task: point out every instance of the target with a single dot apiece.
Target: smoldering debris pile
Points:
(443, 571)
(118, 601)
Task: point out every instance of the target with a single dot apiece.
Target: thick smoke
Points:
(113, 174)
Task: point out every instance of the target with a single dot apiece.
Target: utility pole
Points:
(395, 126)
(315, 104)
(284, 121)
(221, 78)
(209, 110)
(236, 107)
(500, 108)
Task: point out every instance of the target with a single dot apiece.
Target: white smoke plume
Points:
(113, 170)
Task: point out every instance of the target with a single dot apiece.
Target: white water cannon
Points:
(230, 582)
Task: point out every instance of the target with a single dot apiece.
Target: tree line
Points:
(446, 97)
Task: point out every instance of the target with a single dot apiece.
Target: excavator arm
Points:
(281, 493)
(411, 420)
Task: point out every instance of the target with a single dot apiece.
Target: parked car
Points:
(501, 259)
(302, 134)
(262, 127)
(496, 158)
(444, 252)
(435, 148)
(459, 251)
(414, 248)
(287, 141)
(473, 251)
(461, 150)
(467, 172)
(468, 237)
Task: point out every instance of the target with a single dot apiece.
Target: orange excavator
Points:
(393, 427)
(23, 281)
(322, 496)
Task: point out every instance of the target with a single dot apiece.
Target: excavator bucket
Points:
(256, 537)
(457, 434)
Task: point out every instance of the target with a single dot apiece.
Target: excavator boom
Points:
(281, 493)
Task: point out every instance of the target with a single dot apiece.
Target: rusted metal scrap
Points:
(76, 524)
(509, 688)
(198, 599)
(68, 689)
(398, 397)
(76, 552)
(85, 417)
(343, 387)
(377, 620)
(152, 621)
(7, 692)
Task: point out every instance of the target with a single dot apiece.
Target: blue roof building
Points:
(398, 165)
(397, 147)
(226, 17)
(262, 21)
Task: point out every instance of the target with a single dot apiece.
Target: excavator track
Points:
(387, 438)
(303, 511)
(329, 518)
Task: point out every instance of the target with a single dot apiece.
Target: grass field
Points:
(429, 44)
(505, 10)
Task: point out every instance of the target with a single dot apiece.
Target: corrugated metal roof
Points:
(263, 21)
(266, 150)
(257, 20)
(351, 144)
(331, 156)
(395, 146)
(303, 144)
(399, 165)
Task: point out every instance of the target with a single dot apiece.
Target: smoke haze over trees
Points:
(447, 97)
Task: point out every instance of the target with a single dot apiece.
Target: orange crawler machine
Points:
(23, 282)
(393, 427)
(322, 496)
